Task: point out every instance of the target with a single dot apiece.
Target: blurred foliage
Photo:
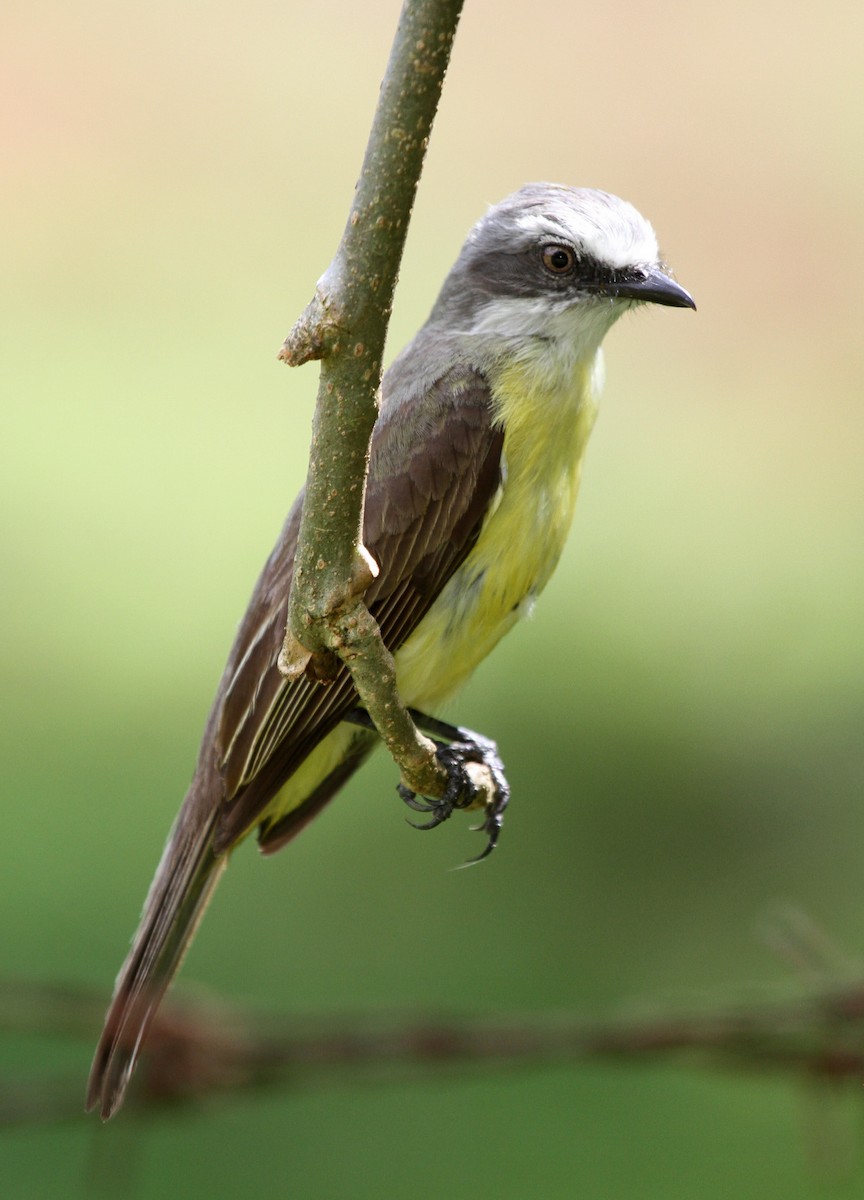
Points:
(681, 721)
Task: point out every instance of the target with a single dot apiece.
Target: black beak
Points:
(651, 286)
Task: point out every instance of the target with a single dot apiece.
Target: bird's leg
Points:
(456, 748)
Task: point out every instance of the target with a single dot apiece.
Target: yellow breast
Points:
(547, 420)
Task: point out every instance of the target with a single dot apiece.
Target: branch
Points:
(345, 327)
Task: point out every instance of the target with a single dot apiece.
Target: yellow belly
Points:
(520, 542)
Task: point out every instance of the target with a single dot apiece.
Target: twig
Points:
(345, 326)
(200, 1049)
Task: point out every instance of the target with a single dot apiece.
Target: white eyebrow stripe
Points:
(616, 237)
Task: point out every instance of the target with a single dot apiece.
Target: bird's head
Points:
(552, 261)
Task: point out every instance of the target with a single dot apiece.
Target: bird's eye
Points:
(558, 259)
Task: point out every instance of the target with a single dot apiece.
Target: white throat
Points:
(556, 340)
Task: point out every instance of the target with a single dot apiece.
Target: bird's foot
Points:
(475, 779)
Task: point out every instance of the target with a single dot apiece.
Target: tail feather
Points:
(181, 889)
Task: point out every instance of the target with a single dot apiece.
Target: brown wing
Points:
(434, 468)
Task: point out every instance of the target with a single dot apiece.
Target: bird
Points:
(474, 468)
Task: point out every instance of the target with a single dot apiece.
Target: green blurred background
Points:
(682, 719)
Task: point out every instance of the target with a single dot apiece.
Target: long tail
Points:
(184, 882)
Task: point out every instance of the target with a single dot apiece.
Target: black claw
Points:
(437, 820)
(410, 798)
(462, 747)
